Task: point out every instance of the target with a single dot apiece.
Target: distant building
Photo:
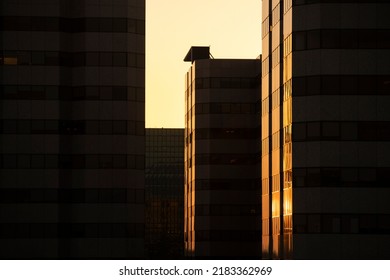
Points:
(325, 129)
(72, 87)
(164, 193)
(222, 189)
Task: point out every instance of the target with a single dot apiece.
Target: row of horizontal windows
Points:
(241, 236)
(55, 161)
(227, 82)
(72, 127)
(157, 153)
(265, 27)
(276, 99)
(276, 140)
(341, 223)
(341, 85)
(161, 133)
(168, 145)
(41, 92)
(72, 25)
(265, 66)
(76, 59)
(162, 181)
(227, 184)
(265, 146)
(227, 210)
(164, 160)
(71, 230)
(287, 45)
(287, 5)
(228, 159)
(341, 39)
(155, 193)
(341, 177)
(304, 2)
(341, 131)
(51, 195)
(276, 57)
(265, 106)
(276, 15)
(227, 133)
(225, 108)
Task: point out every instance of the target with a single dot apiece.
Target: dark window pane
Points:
(105, 127)
(330, 39)
(140, 60)
(299, 86)
(51, 92)
(92, 161)
(105, 24)
(367, 39)
(330, 129)
(119, 93)
(349, 39)
(299, 41)
(119, 161)
(106, 93)
(313, 130)
(91, 25)
(330, 85)
(78, 59)
(313, 85)
(348, 85)
(120, 127)
(38, 58)
(314, 39)
(131, 25)
(119, 25)
(105, 161)
(24, 58)
(92, 93)
(119, 59)
(52, 24)
(131, 60)
(37, 161)
(140, 27)
(105, 59)
(92, 59)
(299, 131)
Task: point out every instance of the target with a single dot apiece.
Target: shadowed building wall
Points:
(325, 129)
(222, 199)
(72, 129)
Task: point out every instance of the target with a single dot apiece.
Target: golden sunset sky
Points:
(230, 27)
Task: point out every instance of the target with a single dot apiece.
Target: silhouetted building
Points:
(72, 129)
(164, 193)
(325, 129)
(222, 191)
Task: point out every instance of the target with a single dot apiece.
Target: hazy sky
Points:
(230, 27)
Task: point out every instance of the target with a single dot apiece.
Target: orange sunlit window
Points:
(10, 60)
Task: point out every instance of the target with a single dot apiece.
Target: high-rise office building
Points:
(164, 193)
(222, 190)
(72, 129)
(325, 129)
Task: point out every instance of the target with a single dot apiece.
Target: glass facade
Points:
(164, 193)
(72, 125)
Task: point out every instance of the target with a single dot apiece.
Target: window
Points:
(119, 59)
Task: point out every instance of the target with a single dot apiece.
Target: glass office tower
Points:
(325, 129)
(72, 129)
(164, 193)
